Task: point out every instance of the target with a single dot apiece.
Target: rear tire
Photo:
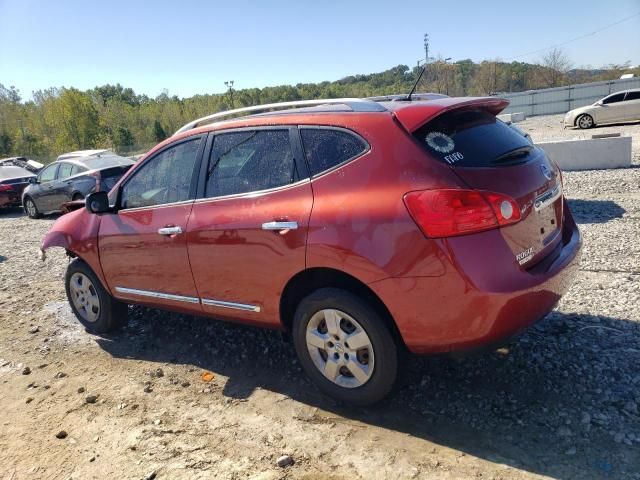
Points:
(361, 373)
(30, 208)
(92, 305)
(585, 121)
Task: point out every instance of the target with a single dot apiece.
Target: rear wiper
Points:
(514, 154)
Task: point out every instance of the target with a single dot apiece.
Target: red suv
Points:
(362, 227)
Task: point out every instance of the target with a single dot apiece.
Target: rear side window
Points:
(470, 138)
(250, 161)
(326, 148)
(632, 96)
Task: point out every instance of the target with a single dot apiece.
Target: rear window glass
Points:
(105, 162)
(326, 148)
(469, 138)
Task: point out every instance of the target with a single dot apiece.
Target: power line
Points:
(576, 38)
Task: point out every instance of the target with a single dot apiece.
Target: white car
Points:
(618, 107)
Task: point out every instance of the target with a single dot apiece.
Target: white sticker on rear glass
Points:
(440, 142)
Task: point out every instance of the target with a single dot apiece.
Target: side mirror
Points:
(33, 180)
(98, 202)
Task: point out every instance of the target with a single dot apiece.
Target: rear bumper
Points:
(11, 200)
(478, 302)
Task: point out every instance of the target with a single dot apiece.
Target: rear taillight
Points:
(446, 213)
(6, 188)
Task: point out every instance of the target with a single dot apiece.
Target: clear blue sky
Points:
(190, 47)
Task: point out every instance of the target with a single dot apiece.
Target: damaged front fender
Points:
(77, 233)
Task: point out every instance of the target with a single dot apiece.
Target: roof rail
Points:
(356, 104)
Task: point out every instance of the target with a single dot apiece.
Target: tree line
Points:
(59, 120)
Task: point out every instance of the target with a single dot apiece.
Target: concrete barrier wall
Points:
(562, 99)
(593, 154)
(512, 117)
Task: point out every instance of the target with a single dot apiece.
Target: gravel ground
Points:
(562, 401)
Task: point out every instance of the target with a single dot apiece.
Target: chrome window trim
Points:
(254, 193)
(163, 296)
(153, 207)
(236, 306)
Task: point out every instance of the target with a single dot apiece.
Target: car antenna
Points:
(415, 85)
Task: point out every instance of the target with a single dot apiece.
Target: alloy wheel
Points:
(340, 348)
(585, 121)
(31, 207)
(84, 296)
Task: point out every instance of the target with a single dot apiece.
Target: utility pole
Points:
(426, 48)
(229, 84)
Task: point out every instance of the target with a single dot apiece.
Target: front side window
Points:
(250, 161)
(614, 98)
(48, 173)
(165, 178)
(65, 170)
(326, 148)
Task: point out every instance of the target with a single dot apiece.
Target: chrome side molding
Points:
(163, 296)
(235, 306)
(180, 298)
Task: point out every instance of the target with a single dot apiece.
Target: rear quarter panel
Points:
(359, 223)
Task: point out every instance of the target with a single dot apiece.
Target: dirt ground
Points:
(560, 402)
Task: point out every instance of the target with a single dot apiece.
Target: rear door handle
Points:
(170, 231)
(280, 226)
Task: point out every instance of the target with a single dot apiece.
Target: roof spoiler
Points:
(415, 115)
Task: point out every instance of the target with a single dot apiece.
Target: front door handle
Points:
(280, 226)
(170, 231)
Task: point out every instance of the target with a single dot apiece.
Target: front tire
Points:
(585, 121)
(345, 347)
(30, 208)
(92, 305)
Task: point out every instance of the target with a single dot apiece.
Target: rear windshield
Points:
(99, 163)
(470, 138)
(14, 172)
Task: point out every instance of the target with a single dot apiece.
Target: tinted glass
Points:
(65, 170)
(614, 98)
(48, 173)
(165, 178)
(469, 138)
(14, 172)
(98, 163)
(250, 161)
(326, 148)
(632, 96)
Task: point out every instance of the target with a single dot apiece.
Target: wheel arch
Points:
(311, 279)
(77, 233)
(589, 114)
